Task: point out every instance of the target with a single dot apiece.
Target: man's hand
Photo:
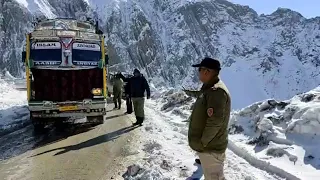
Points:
(191, 93)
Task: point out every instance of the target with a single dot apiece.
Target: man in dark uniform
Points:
(208, 134)
(138, 86)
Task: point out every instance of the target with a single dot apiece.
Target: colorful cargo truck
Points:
(66, 71)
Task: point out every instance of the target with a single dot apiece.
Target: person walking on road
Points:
(127, 93)
(209, 120)
(117, 91)
(138, 86)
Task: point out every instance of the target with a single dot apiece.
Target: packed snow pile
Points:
(6, 75)
(282, 137)
(176, 103)
(13, 110)
(164, 152)
(283, 133)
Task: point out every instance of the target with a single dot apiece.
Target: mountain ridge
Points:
(163, 38)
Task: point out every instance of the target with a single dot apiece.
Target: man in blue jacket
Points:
(138, 86)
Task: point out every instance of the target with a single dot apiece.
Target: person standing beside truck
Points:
(138, 86)
(117, 91)
(127, 93)
(208, 134)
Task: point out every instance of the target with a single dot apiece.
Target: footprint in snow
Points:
(151, 146)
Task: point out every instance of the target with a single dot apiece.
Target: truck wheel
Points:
(96, 120)
(59, 123)
(38, 126)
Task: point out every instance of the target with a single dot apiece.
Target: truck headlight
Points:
(96, 91)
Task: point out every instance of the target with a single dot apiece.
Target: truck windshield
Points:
(86, 55)
(46, 54)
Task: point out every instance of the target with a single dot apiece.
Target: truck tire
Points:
(38, 125)
(96, 120)
(59, 123)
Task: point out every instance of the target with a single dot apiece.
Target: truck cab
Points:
(66, 65)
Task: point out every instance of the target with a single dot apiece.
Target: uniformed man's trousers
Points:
(212, 165)
(138, 105)
(117, 99)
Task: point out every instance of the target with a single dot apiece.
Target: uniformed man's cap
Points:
(209, 63)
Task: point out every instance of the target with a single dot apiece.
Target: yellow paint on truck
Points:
(104, 68)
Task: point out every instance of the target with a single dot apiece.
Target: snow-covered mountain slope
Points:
(16, 17)
(282, 137)
(263, 56)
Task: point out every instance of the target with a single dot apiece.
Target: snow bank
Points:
(280, 137)
(13, 110)
(164, 151)
(8, 76)
(176, 103)
(284, 134)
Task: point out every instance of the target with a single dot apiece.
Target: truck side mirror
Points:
(23, 56)
(106, 58)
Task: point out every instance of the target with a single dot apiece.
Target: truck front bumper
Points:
(67, 109)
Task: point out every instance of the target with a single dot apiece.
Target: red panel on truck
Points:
(66, 85)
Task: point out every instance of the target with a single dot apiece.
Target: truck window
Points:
(46, 54)
(85, 55)
(46, 51)
(86, 52)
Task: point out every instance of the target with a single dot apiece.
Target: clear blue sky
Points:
(308, 8)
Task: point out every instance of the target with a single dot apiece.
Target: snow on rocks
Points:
(279, 137)
(175, 102)
(284, 134)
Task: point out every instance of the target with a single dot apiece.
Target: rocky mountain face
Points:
(274, 55)
(16, 19)
(13, 25)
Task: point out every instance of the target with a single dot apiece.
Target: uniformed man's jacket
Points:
(209, 118)
(138, 86)
(117, 85)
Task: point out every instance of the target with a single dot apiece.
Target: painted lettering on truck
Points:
(85, 46)
(46, 45)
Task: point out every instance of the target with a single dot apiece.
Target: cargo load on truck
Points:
(66, 71)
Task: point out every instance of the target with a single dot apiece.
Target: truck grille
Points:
(65, 85)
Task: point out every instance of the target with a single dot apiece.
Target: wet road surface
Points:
(78, 151)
